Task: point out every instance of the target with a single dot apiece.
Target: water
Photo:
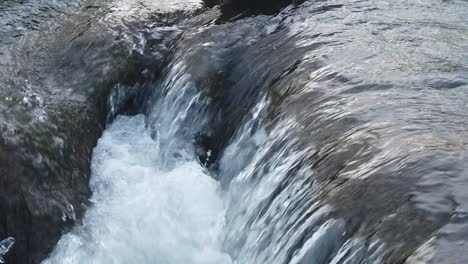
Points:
(5, 246)
(330, 132)
(143, 212)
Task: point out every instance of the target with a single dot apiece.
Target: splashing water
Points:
(5, 246)
(143, 213)
(310, 173)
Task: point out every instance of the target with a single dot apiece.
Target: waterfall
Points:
(278, 139)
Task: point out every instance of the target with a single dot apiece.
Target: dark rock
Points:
(53, 107)
(233, 8)
(44, 189)
(211, 3)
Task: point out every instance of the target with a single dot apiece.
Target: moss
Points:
(79, 126)
(128, 72)
(276, 101)
(276, 98)
(46, 146)
(213, 87)
(66, 142)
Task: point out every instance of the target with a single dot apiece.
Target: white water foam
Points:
(141, 212)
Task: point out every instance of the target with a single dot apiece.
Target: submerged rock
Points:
(302, 118)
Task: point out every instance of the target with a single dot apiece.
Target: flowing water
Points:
(145, 213)
(328, 132)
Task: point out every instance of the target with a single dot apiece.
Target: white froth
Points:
(142, 213)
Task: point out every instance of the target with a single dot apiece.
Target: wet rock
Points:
(43, 185)
(54, 105)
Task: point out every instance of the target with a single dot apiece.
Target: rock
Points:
(232, 7)
(53, 107)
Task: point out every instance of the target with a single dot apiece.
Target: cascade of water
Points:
(153, 202)
(142, 211)
(300, 168)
